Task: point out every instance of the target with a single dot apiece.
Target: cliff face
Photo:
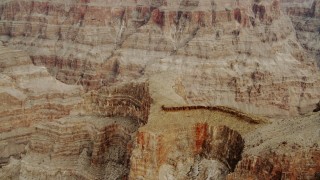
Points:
(285, 149)
(138, 89)
(222, 52)
(28, 95)
(303, 165)
(127, 100)
(199, 152)
(306, 19)
(37, 130)
(80, 147)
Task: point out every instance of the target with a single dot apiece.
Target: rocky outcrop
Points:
(84, 147)
(297, 165)
(285, 149)
(165, 84)
(228, 53)
(198, 152)
(306, 19)
(28, 95)
(128, 100)
(73, 39)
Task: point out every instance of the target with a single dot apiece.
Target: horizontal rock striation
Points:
(228, 53)
(28, 95)
(198, 152)
(206, 58)
(32, 98)
(218, 65)
(127, 100)
(73, 39)
(84, 147)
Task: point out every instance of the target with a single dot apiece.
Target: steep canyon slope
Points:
(159, 89)
(28, 95)
(240, 54)
(305, 16)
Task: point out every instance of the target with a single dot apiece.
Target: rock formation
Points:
(199, 152)
(128, 100)
(228, 53)
(159, 89)
(285, 149)
(28, 95)
(297, 165)
(306, 20)
(82, 147)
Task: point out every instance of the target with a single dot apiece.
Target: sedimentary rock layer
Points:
(204, 55)
(85, 147)
(306, 19)
(297, 165)
(28, 95)
(198, 152)
(127, 100)
(285, 149)
(228, 53)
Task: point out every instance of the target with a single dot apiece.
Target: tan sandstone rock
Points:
(28, 95)
(168, 89)
(242, 54)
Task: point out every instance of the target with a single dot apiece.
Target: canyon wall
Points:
(28, 95)
(127, 100)
(297, 165)
(36, 124)
(227, 53)
(139, 89)
(198, 152)
(306, 19)
(80, 147)
(284, 149)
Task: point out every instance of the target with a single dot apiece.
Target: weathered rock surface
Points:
(163, 85)
(287, 149)
(28, 95)
(127, 100)
(199, 152)
(306, 19)
(297, 165)
(80, 147)
(222, 52)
